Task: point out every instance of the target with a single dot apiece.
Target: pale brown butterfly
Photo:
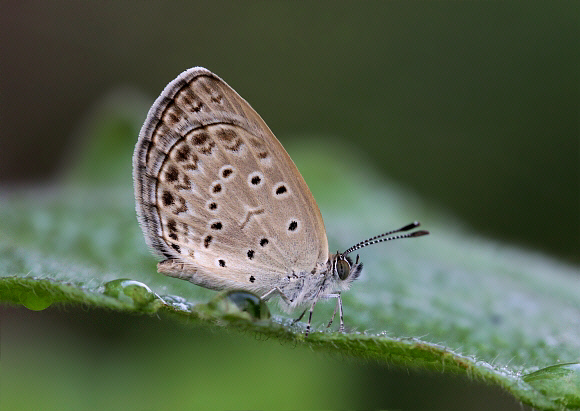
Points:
(220, 200)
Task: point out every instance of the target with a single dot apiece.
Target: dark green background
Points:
(472, 105)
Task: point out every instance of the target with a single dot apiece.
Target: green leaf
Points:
(452, 301)
(559, 382)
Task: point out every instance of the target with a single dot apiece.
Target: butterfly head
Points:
(343, 267)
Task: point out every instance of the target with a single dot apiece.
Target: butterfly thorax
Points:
(304, 288)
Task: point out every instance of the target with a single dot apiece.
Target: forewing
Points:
(216, 192)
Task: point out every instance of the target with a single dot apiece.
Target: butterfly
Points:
(221, 202)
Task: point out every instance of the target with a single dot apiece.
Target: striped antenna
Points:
(383, 237)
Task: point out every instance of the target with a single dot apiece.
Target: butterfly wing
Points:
(217, 195)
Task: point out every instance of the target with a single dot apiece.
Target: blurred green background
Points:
(472, 105)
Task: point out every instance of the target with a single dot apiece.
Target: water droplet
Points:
(36, 301)
(178, 303)
(133, 292)
(236, 302)
(560, 383)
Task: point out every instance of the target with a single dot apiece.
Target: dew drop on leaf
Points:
(36, 301)
(236, 302)
(131, 291)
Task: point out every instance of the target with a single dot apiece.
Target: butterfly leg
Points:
(277, 290)
(299, 318)
(273, 291)
(309, 319)
(333, 314)
(339, 307)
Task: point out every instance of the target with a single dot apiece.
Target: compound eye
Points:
(343, 269)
